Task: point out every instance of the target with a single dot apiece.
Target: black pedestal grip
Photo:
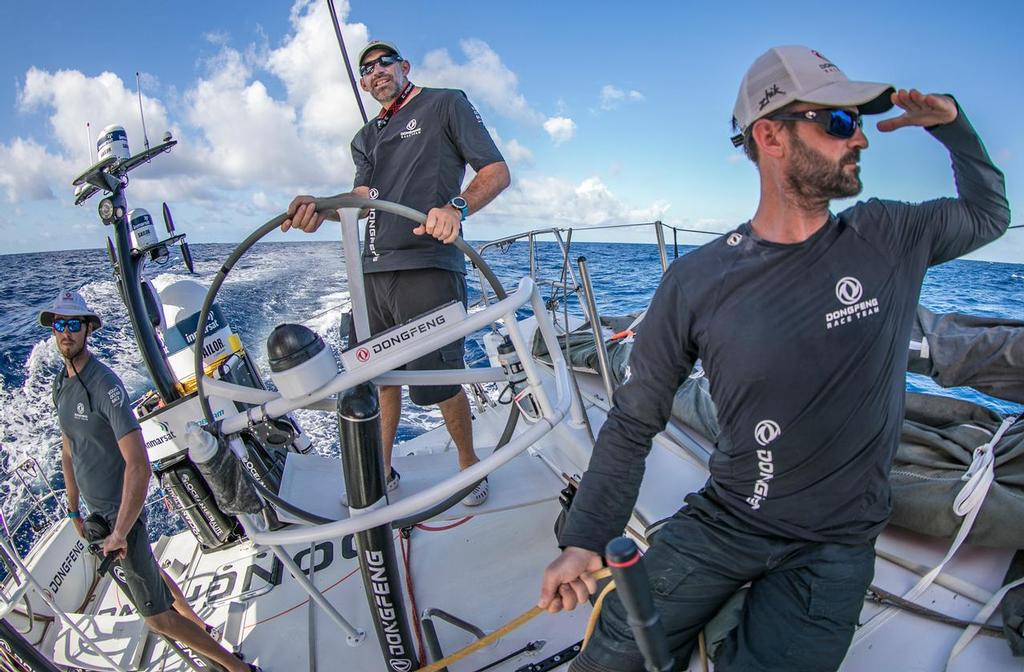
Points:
(633, 588)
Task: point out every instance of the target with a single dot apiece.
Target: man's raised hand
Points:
(920, 109)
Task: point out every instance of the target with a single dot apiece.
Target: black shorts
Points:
(395, 297)
(142, 574)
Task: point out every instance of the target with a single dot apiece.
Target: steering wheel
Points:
(329, 203)
(504, 303)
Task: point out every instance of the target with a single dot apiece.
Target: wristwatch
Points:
(459, 203)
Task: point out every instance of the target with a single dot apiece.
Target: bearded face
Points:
(815, 179)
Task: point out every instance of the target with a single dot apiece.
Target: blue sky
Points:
(607, 112)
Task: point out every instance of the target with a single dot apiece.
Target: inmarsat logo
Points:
(766, 431)
(850, 291)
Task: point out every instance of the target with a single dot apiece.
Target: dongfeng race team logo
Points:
(766, 431)
(849, 290)
(363, 355)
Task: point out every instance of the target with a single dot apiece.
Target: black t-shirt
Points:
(805, 349)
(418, 160)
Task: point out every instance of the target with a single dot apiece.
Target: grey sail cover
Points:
(985, 353)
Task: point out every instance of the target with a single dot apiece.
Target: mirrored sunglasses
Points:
(387, 60)
(73, 324)
(838, 123)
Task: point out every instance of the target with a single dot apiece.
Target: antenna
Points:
(138, 88)
(89, 143)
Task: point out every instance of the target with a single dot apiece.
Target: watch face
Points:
(459, 202)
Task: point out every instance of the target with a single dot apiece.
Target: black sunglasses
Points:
(386, 61)
(72, 324)
(839, 123)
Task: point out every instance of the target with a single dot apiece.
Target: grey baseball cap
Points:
(377, 44)
(70, 304)
(783, 75)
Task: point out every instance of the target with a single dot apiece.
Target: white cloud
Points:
(482, 76)
(561, 129)
(612, 97)
(29, 171)
(513, 151)
(75, 99)
(552, 201)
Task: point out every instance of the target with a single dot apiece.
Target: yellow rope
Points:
(500, 632)
(592, 621)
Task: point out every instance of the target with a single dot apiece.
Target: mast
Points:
(344, 57)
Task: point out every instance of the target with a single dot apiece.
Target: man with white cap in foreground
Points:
(801, 319)
(104, 460)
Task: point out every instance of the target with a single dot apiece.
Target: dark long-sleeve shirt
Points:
(805, 349)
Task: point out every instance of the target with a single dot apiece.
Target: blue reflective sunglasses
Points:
(73, 324)
(838, 123)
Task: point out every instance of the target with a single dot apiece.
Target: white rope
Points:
(982, 617)
(979, 476)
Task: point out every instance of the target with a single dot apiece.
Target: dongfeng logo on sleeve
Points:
(850, 292)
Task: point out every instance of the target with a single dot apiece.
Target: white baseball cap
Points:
(377, 44)
(71, 304)
(786, 74)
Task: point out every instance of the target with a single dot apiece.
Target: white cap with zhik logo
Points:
(786, 74)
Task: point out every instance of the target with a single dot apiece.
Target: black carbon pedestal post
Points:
(359, 428)
(634, 591)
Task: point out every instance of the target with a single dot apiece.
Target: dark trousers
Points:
(799, 614)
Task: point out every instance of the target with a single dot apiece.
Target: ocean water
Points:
(304, 282)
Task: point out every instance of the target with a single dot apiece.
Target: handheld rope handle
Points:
(497, 634)
(633, 586)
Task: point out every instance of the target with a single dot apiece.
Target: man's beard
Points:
(388, 93)
(815, 180)
(72, 351)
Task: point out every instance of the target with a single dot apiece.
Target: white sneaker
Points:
(392, 485)
(479, 494)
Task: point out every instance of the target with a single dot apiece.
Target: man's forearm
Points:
(133, 496)
(488, 183)
(70, 485)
